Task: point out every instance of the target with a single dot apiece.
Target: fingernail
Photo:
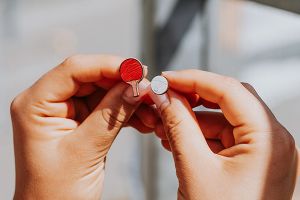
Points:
(128, 93)
(145, 70)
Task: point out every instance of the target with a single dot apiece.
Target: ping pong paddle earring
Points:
(159, 85)
(131, 71)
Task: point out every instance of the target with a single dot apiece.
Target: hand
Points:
(241, 153)
(65, 124)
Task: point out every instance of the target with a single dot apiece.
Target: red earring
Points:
(131, 71)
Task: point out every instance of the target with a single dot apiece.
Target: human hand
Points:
(65, 124)
(241, 153)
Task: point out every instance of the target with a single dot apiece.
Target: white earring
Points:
(159, 85)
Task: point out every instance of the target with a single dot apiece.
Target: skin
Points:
(241, 153)
(65, 124)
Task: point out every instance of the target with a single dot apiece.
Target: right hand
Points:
(241, 153)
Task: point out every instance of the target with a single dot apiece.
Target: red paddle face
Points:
(131, 71)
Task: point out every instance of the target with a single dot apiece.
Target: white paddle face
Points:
(159, 85)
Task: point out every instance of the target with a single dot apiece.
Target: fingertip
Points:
(166, 145)
(137, 124)
(128, 93)
(147, 100)
(160, 101)
(193, 99)
(145, 70)
(147, 114)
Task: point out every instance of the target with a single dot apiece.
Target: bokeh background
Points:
(250, 41)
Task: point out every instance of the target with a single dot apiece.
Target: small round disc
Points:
(159, 85)
(131, 70)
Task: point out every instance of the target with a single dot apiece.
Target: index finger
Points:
(239, 106)
(63, 81)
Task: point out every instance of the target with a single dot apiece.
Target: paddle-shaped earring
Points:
(131, 71)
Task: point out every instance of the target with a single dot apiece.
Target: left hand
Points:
(65, 124)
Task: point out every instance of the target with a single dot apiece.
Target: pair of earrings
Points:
(132, 72)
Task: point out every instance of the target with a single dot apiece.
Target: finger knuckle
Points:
(72, 61)
(174, 134)
(149, 120)
(15, 105)
(173, 121)
(289, 143)
(230, 85)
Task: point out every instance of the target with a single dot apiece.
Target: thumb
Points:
(104, 123)
(181, 127)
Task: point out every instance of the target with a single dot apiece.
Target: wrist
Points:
(79, 191)
(30, 188)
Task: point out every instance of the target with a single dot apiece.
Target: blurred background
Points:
(255, 41)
